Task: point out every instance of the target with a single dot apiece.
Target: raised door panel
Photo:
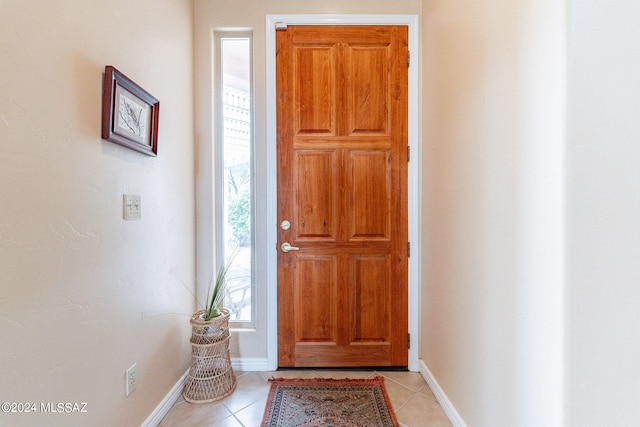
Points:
(315, 97)
(316, 296)
(370, 195)
(315, 194)
(369, 83)
(370, 299)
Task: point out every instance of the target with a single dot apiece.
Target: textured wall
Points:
(493, 125)
(85, 294)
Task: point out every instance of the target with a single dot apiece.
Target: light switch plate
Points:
(132, 206)
(131, 379)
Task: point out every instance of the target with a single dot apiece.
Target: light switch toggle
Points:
(132, 206)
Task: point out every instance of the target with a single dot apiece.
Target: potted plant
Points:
(211, 320)
(215, 293)
(211, 376)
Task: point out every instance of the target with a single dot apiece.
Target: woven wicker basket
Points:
(211, 376)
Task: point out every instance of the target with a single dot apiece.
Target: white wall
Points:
(251, 14)
(85, 294)
(603, 214)
(493, 124)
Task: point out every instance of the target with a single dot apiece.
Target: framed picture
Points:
(129, 113)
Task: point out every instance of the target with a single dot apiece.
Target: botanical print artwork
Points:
(132, 117)
(129, 113)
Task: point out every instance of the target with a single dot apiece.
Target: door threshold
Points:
(347, 368)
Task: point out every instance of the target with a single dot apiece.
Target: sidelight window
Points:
(234, 172)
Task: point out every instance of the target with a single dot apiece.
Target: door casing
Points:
(414, 179)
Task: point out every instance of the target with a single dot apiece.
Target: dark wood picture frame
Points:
(129, 113)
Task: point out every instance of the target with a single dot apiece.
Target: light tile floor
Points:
(412, 400)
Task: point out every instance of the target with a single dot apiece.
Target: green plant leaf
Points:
(216, 290)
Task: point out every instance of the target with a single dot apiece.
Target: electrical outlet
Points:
(132, 206)
(131, 379)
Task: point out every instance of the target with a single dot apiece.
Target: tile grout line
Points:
(236, 418)
(404, 403)
(418, 391)
(413, 392)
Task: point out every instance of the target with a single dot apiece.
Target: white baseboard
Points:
(167, 403)
(447, 406)
(248, 364)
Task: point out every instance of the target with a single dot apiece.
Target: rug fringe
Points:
(375, 380)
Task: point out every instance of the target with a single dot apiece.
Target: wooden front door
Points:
(342, 187)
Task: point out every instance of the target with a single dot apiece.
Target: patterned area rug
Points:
(328, 403)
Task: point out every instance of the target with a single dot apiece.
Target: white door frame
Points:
(414, 169)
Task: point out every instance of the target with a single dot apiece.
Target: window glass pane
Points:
(236, 112)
